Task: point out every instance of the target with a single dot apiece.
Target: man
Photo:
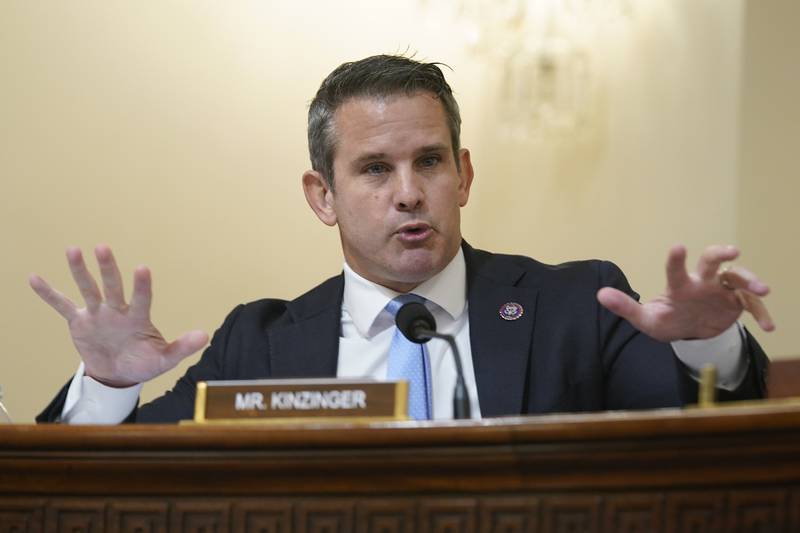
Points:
(389, 171)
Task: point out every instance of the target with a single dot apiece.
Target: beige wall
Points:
(770, 142)
(658, 165)
(174, 131)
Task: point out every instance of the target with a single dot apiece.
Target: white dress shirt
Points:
(368, 328)
(366, 335)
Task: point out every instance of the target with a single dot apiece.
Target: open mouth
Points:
(414, 232)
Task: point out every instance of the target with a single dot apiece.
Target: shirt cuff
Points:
(725, 352)
(90, 402)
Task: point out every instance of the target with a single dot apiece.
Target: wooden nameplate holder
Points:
(782, 386)
(288, 401)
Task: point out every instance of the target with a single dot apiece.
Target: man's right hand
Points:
(117, 342)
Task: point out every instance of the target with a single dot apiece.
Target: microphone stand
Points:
(461, 407)
(3, 409)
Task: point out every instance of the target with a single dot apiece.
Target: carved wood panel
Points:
(447, 515)
(757, 511)
(508, 515)
(200, 516)
(571, 513)
(142, 516)
(695, 511)
(633, 513)
(75, 516)
(21, 516)
(325, 515)
(386, 516)
(776, 509)
(262, 516)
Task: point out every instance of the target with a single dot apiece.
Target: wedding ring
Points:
(723, 279)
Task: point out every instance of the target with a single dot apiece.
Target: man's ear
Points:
(319, 196)
(465, 175)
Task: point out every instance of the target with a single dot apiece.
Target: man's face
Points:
(398, 191)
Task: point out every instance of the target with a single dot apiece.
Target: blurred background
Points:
(175, 132)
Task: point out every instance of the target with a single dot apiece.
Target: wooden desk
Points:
(730, 469)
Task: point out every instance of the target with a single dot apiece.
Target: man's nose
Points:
(409, 193)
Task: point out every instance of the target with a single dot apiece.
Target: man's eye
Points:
(429, 161)
(376, 168)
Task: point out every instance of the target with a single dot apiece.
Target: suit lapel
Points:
(309, 345)
(500, 348)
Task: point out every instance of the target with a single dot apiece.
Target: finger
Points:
(186, 345)
(63, 305)
(711, 259)
(676, 267)
(112, 280)
(737, 277)
(622, 305)
(84, 280)
(142, 293)
(755, 306)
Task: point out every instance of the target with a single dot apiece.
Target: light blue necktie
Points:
(409, 361)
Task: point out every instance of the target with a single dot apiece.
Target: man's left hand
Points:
(696, 305)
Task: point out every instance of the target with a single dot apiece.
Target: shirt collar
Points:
(364, 300)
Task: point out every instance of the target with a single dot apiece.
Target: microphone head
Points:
(413, 317)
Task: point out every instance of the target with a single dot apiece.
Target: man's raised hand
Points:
(696, 305)
(117, 342)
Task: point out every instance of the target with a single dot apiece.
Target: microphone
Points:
(418, 325)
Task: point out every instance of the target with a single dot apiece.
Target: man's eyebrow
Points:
(377, 156)
(438, 147)
(368, 158)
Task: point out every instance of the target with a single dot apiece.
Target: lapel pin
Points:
(511, 311)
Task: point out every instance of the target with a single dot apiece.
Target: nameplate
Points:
(301, 400)
(783, 379)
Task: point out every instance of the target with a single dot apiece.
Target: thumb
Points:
(186, 345)
(621, 305)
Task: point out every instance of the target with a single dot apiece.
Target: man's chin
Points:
(404, 269)
(417, 271)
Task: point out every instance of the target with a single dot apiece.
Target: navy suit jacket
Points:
(565, 354)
